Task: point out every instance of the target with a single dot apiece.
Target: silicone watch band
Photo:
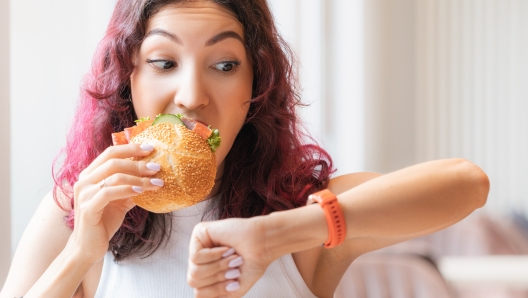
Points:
(334, 216)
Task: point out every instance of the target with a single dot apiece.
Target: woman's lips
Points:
(190, 122)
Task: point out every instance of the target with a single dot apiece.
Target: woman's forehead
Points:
(199, 13)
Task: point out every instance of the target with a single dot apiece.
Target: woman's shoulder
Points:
(47, 224)
(51, 214)
(43, 240)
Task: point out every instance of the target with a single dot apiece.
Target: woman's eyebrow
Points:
(213, 40)
(162, 32)
(223, 35)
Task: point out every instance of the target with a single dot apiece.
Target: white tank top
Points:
(163, 274)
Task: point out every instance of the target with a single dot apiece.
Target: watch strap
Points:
(334, 216)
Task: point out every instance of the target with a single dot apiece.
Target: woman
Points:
(222, 63)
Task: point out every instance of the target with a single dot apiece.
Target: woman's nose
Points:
(192, 93)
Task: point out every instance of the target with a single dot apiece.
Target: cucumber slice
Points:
(167, 118)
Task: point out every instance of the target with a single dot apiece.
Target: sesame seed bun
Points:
(188, 167)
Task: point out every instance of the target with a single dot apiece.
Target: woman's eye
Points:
(162, 64)
(227, 66)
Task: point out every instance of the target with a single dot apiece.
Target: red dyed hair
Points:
(269, 167)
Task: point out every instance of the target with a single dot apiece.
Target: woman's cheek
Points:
(150, 96)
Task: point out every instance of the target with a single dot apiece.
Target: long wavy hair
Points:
(273, 164)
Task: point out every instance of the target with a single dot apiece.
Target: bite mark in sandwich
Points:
(185, 150)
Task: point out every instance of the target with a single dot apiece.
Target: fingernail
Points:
(146, 147)
(153, 166)
(232, 286)
(228, 253)
(232, 274)
(137, 189)
(157, 182)
(236, 262)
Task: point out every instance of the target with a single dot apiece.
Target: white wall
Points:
(5, 177)
(472, 86)
(389, 84)
(448, 79)
(51, 47)
(358, 70)
(327, 37)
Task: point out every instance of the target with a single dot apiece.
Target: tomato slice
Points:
(202, 130)
(124, 137)
(129, 133)
(119, 138)
(141, 126)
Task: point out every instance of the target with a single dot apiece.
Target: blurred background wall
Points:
(5, 175)
(390, 83)
(420, 80)
(51, 44)
(472, 90)
(327, 37)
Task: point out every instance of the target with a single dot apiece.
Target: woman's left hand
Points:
(208, 269)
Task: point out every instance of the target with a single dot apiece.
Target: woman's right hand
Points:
(102, 197)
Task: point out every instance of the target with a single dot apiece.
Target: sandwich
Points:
(185, 150)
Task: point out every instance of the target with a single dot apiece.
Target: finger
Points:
(128, 204)
(200, 275)
(120, 151)
(208, 255)
(124, 205)
(146, 183)
(231, 274)
(200, 239)
(218, 289)
(124, 166)
(108, 194)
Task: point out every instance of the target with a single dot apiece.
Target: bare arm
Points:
(389, 209)
(41, 249)
(412, 202)
(51, 261)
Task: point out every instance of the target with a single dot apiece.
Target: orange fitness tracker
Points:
(334, 216)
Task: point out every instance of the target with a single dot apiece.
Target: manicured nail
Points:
(137, 189)
(232, 286)
(146, 147)
(232, 274)
(157, 182)
(153, 166)
(236, 262)
(228, 253)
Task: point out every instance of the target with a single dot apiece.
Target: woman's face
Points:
(193, 62)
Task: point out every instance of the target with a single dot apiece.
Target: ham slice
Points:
(189, 123)
(197, 127)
